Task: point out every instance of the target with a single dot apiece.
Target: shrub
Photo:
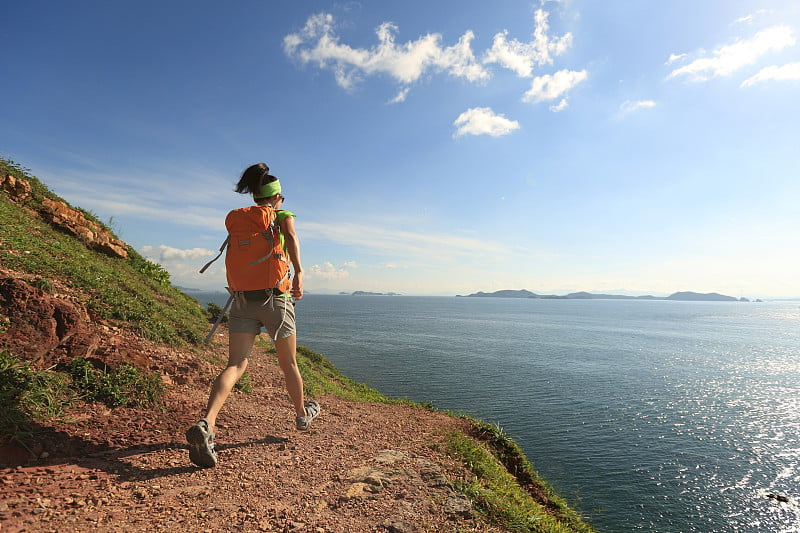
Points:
(150, 270)
(27, 394)
(125, 385)
(214, 311)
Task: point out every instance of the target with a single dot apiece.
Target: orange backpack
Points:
(255, 258)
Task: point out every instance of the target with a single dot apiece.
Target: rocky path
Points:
(361, 468)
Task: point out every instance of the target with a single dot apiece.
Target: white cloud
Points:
(630, 106)
(675, 57)
(561, 106)
(749, 18)
(790, 71)
(317, 43)
(728, 59)
(460, 61)
(400, 97)
(523, 57)
(328, 271)
(510, 55)
(184, 265)
(483, 121)
(553, 86)
(165, 254)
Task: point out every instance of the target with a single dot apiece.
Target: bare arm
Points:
(292, 243)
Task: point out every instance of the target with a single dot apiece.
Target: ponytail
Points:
(254, 178)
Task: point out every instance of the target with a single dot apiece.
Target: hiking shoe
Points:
(201, 444)
(312, 412)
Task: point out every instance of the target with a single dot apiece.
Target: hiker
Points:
(263, 302)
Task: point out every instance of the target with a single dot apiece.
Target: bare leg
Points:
(287, 358)
(239, 348)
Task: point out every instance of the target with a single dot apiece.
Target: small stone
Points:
(359, 491)
(399, 526)
(390, 456)
(458, 506)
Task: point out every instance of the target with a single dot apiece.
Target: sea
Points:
(646, 415)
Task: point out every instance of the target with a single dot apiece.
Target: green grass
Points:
(245, 384)
(498, 489)
(133, 292)
(125, 385)
(27, 394)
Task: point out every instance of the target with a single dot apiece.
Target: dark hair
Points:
(253, 178)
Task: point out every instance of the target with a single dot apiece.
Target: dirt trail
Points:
(361, 468)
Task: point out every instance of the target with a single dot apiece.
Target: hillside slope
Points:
(89, 330)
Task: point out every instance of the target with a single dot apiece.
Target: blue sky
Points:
(429, 148)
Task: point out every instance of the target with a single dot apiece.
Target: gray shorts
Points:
(255, 309)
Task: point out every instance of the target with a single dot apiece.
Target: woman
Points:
(253, 309)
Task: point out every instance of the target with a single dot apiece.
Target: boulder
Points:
(38, 322)
(16, 188)
(72, 221)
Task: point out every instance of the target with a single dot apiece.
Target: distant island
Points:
(685, 296)
(366, 293)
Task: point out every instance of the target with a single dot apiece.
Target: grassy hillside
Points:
(130, 294)
(133, 293)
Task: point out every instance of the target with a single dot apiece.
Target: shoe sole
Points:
(199, 452)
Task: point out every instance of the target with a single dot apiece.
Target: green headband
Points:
(268, 189)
